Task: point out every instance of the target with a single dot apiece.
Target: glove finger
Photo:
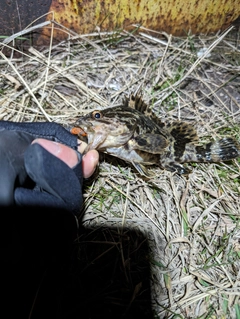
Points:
(50, 131)
(7, 182)
(54, 177)
(12, 170)
(32, 197)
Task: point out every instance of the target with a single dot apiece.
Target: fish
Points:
(133, 133)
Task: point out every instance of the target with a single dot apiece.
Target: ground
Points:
(190, 224)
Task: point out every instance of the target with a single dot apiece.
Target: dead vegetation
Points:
(192, 223)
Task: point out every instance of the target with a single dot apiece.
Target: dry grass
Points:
(192, 224)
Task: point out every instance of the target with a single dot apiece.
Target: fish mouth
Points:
(113, 126)
(90, 123)
(85, 125)
(83, 122)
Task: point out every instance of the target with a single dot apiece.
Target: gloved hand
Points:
(30, 175)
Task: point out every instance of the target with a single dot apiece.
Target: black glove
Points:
(30, 175)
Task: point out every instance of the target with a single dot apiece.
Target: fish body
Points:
(133, 133)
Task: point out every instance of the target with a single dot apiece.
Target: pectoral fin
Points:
(150, 143)
(142, 170)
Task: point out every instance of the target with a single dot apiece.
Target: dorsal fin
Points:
(137, 103)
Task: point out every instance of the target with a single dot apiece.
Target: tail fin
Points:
(219, 151)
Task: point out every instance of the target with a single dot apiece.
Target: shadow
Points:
(16, 16)
(110, 276)
(105, 273)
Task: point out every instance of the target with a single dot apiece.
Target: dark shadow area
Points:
(109, 276)
(17, 15)
(105, 273)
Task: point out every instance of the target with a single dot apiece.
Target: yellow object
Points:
(177, 17)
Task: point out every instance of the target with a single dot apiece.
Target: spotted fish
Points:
(136, 135)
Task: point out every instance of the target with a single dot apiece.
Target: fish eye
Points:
(96, 114)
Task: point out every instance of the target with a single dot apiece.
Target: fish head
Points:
(111, 127)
